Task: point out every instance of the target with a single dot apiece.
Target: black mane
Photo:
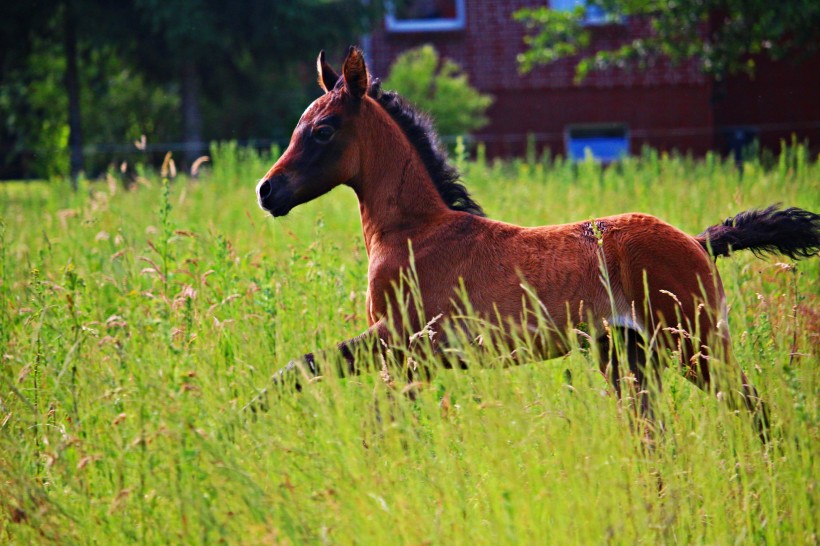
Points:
(418, 128)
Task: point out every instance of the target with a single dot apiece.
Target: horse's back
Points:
(631, 269)
(624, 269)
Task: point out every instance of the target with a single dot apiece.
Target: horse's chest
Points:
(383, 274)
(384, 268)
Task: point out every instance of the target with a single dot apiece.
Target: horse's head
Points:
(323, 152)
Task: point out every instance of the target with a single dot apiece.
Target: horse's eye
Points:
(323, 133)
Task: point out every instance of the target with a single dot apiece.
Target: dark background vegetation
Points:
(184, 72)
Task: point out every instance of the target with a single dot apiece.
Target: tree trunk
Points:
(191, 114)
(72, 84)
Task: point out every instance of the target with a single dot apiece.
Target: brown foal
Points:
(662, 288)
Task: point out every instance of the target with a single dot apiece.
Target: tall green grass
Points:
(134, 326)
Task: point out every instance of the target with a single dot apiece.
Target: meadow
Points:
(136, 324)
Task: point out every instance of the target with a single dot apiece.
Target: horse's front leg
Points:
(347, 356)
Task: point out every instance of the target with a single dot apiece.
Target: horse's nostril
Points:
(264, 189)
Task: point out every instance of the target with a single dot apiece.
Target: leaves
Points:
(720, 35)
(441, 88)
(248, 55)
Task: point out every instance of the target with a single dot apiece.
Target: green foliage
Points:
(122, 379)
(247, 61)
(246, 58)
(440, 88)
(721, 35)
(32, 113)
(119, 105)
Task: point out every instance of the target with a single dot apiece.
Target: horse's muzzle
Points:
(274, 195)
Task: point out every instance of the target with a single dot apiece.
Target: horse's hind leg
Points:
(729, 382)
(756, 406)
(626, 346)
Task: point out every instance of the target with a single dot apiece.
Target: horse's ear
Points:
(327, 76)
(355, 73)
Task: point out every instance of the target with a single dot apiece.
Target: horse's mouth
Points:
(279, 208)
(274, 197)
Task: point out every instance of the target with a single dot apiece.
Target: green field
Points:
(134, 326)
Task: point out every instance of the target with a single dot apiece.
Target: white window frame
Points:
(459, 22)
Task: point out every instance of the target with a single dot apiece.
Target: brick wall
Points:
(663, 117)
(783, 98)
(665, 106)
(487, 49)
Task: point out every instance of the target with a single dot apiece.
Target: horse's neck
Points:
(396, 195)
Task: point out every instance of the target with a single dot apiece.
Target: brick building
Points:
(666, 106)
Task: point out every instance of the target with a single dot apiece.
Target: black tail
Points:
(792, 231)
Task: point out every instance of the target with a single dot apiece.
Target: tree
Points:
(45, 33)
(30, 74)
(232, 70)
(236, 62)
(722, 36)
(63, 86)
(440, 88)
(72, 87)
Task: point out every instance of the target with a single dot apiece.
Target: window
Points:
(595, 15)
(425, 15)
(606, 142)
